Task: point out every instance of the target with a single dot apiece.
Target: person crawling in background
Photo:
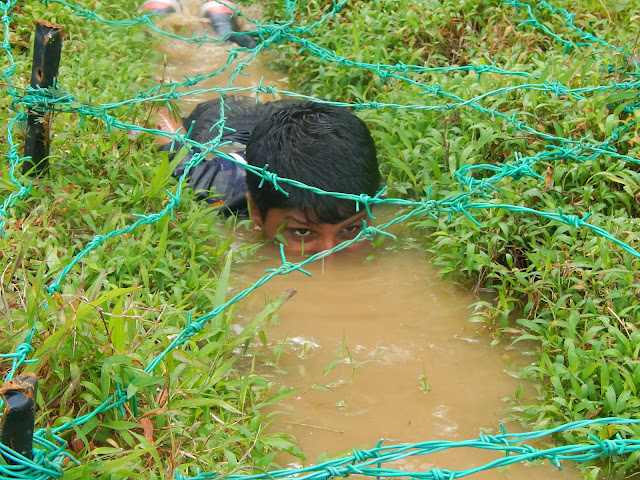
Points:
(316, 144)
(219, 13)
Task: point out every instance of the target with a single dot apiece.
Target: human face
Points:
(304, 235)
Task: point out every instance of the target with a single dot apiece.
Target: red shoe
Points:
(159, 7)
(217, 7)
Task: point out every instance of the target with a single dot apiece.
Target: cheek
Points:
(269, 231)
(270, 227)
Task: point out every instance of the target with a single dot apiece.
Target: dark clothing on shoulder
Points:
(241, 115)
(219, 181)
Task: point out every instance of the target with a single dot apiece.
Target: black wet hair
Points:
(319, 145)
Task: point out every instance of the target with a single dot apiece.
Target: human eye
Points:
(301, 232)
(352, 230)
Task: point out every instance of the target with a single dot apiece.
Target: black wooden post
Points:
(18, 418)
(47, 48)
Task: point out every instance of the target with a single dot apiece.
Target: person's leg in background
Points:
(223, 22)
(160, 7)
(220, 14)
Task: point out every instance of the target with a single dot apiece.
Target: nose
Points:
(325, 242)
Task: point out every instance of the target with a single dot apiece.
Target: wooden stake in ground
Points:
(18, 418)
(47, 48)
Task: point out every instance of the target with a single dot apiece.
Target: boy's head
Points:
(318, 145)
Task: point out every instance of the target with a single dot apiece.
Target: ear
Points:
(256, 218)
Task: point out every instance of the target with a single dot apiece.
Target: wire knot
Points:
(175, 200)
(557, 88)
(172, 95)
(401, 67)
(571, 220)
(190, 82)
(24, 349)
(383, 73)
(193, 328)
(268, 89)
(364, 455)
(491, 439)
(563, 152)
(288, 267)
(96, 242)
(480, 69)
(374, 105)
(90, 15)
(518, 126)
(610, 447)
(271, 178)
(365, 200)
(335, 472)
(438, 474)
(370, 232)
(570, 17)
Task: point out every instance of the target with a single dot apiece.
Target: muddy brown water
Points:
(377, 350)
(409, 366)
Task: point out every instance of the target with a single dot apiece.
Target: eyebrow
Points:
(305, 221)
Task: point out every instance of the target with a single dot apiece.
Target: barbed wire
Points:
(47, 463)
